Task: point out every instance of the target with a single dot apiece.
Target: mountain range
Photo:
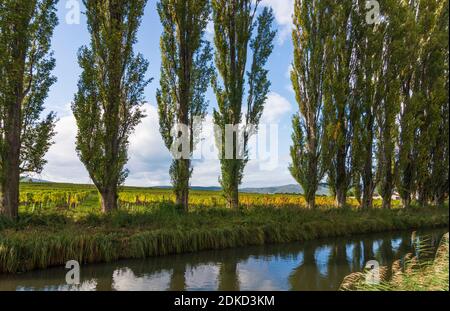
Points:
(284, 189)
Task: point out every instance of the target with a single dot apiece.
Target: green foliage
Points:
(26, 63)
(185, 75)
(422, 159)
(234, 25)
(107, 106)
(339, 98)
(307, 76)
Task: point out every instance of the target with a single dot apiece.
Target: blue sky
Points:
(148, 158)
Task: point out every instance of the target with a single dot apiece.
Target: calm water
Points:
(314, 265)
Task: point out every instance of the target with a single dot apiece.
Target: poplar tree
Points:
(430, 83)
(368, 87)
(394, 64)
(185, 76)
(440, 97)
(235, 21)
(409, 110)
(311, 30)
(107, 106)
(339, 100)
(26, 63)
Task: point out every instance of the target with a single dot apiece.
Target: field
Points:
(60, 222)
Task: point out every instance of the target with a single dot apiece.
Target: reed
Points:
(409, 274)
(51, 238)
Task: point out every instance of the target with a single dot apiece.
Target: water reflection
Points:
(315, 265)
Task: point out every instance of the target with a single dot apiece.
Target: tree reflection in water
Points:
(313, 265)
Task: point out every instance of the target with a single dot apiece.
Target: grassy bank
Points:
(49, 238)
(411, 274)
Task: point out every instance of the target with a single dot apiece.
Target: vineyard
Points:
(44, 196)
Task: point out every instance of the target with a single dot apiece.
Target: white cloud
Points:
(63, 163)
(209, 33)
(149, 159)
(275, 109)
(283, 10)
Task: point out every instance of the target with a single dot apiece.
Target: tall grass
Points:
(409, 274)
(49, 238)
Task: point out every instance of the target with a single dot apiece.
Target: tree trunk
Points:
(233, 197)
(12, 128)
(388, 182)
(423, 195)
(180, 180)
(439, 199)
(10, 190)
(341, 178)
(406, 202)
(311, 201)
(11, 162)
(109, 199)
(341, 198)
(182, 198)
(368, 184)
(311, 189)
(386, 202)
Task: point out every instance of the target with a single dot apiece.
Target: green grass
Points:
(411, 274)
(50, 237)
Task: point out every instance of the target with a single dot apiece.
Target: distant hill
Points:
(293, 189)
(33, 180)
(288, 189)
(198, 188)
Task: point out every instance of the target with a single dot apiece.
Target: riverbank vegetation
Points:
(48, 235)
(410, 274)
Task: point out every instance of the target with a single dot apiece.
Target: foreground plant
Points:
(409, 275)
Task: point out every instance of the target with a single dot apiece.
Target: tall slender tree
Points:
(107, 106)
(410, 106)
(394, 61)
(440, 99)
(429, 81)
(311, 30)
(185, 76)
(26, 62)
(234, 24)
(368, 75)
(339, 99)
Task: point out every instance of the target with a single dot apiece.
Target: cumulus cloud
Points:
(63, 164)
(283, 10)
(149, 159)
(264, 151)
(276, 107)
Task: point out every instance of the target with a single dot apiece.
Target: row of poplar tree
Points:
(373, 98)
